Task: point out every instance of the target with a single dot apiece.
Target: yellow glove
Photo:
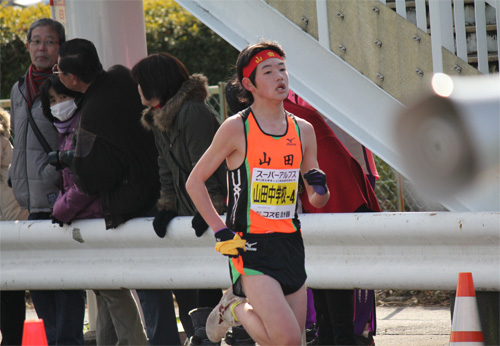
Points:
(229, 243)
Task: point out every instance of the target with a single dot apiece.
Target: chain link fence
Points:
(396, 193)
(218, 100)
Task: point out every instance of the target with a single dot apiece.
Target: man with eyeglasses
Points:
(35, 184)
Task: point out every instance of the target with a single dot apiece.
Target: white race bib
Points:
(274, 192)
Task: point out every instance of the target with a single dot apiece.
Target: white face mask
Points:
(63, 110)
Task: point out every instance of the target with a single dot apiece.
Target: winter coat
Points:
(115, 157)
(35, 183)
(184, 128)
(72, 203)
(9, 208)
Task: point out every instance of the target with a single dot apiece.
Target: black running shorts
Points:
(278, 255)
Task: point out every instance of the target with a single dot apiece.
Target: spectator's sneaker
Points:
(199, 318)
(365, 341)
(313, 342)
(196, 341)
(311, 333)
(238, 336)
(222, 316)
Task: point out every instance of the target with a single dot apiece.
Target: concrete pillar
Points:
(116, 28)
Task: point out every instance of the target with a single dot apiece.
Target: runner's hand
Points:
(317, 179)
(229, 243)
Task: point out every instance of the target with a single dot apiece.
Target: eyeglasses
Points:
(38, 43)
(55, 70)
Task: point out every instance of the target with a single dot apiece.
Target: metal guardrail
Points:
(372, 250)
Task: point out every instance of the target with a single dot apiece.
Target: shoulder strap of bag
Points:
(38, 134)
(35, 128)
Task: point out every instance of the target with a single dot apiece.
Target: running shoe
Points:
(221, 318)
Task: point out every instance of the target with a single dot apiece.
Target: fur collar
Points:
(193, 89)
(4, 123)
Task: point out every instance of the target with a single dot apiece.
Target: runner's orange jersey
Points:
(263, 190)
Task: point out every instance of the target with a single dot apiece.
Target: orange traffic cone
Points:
(466, 326)
(34, 333)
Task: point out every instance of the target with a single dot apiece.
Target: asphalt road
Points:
(413, 326)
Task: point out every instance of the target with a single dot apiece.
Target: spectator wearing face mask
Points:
(59, 107)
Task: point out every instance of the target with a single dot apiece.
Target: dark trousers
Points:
(62, 313)
(209, 298)
(188, 300)
(12, 315)
(159, 312)
(334, 315)
(159, 315)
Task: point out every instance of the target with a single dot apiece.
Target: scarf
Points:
(35, 78)
(64, 126)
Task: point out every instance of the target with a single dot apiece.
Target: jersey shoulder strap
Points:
(245, 113)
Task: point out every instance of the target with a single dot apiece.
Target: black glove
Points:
(62, 159)
(53, 158)
(56, 221)
(66, 159)
(9, 182)
(317, 179)
(199, 224)
(161, 221)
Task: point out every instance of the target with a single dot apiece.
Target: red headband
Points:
(257, 59)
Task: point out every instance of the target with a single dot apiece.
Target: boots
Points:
(199, 318)
(238, 336)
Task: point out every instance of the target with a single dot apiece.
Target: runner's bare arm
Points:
(225, 146)
(310, 161)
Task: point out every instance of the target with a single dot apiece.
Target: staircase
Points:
(359, 62)
(468, 37)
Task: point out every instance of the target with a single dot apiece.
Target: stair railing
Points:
(448, 28)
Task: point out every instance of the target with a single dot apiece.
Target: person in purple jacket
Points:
(59, 107)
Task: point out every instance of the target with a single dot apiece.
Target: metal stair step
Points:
(472, 59)
(411, 4)
(489, 28)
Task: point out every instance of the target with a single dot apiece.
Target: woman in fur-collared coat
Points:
(184, 125)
